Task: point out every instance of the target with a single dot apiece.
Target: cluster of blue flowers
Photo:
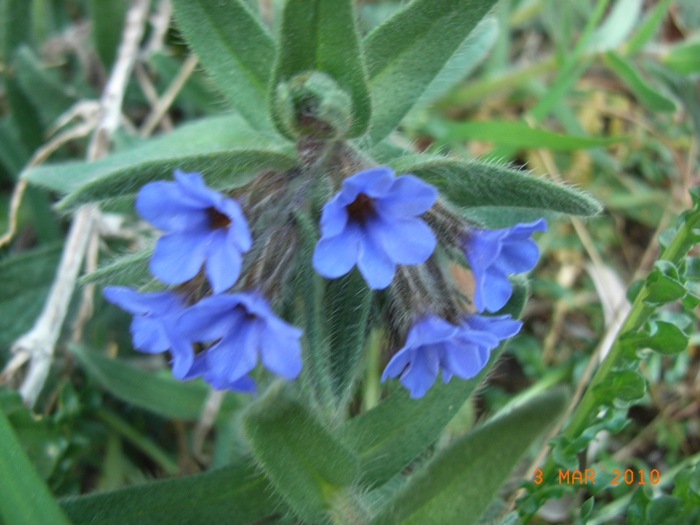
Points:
(374, 222)
(204, 228)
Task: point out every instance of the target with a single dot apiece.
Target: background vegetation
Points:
(601, 95)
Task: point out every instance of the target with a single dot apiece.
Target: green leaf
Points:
(126, 270)
(648, 27)
(347, 304)
(235, 495)
(43, 440)
(25, 498)
(158, 393)
(397, 430)
(235, 49)
(587, 508)
(684, 58)
(320, 35)
(691, 269)
(25, 279)
(636, 512)
(12, 157)
(472, 184)
(663, 337)
(523, 136)
(407, 52)
(316, 373)
(663, 288)
(641, 89)
(42, 87)
(458, 484)
(305, 463)
(106, 24)
(471, 52)
(626, 386)
(224, 149)
(617, 25)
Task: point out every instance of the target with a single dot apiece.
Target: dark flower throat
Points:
(361, 208)
(217, 219)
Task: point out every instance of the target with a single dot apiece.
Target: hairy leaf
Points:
(126, 270)
(320, 35)
(397, 430)
(305, 463)
(523, 136)
(235, 495)
(407, 52)
(24, 496)
(158, 393)
(235, 49)
(224, 149)
(460, 482)
(472, 184)
(347, 303)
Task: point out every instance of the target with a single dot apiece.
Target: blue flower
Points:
(462, 350)
(373, 222)
(241, 327)
(204, 228)
(493, 254)
(154, 326)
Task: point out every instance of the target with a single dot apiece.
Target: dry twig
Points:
(39, 343)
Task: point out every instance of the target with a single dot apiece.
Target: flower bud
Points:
(312, 104)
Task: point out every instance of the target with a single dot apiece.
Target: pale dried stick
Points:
(40, 341)
(151, 94)
(160, 23)
(165, 101)
(15, 202)
(206, 422)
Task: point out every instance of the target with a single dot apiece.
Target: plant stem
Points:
(638, 315)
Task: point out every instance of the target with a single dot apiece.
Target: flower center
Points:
(361, 208)
(217, 219)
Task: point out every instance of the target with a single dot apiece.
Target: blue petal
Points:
(406, 241)
(178, 257)
(409, 196)
(183, 355)
(518, 257)
(501, 326)
(334, 217)
(148, 335)
(193, 187)
(398, 363)
(429, 330)
(223, 264)
(522, 231)
(210, 319)
(280, 349)
(198, 367)
(421, 373)
(142, 303)
(335, 256)
(244, 384)
(373, 182)
(162, 204)
(236, 354)
(373, 262)
(238, 231)
(495, 291)
(483, 248)
(463, 361)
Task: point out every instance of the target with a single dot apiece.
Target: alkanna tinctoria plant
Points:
(302, 242)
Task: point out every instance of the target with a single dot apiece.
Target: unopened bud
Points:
(312, 104)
